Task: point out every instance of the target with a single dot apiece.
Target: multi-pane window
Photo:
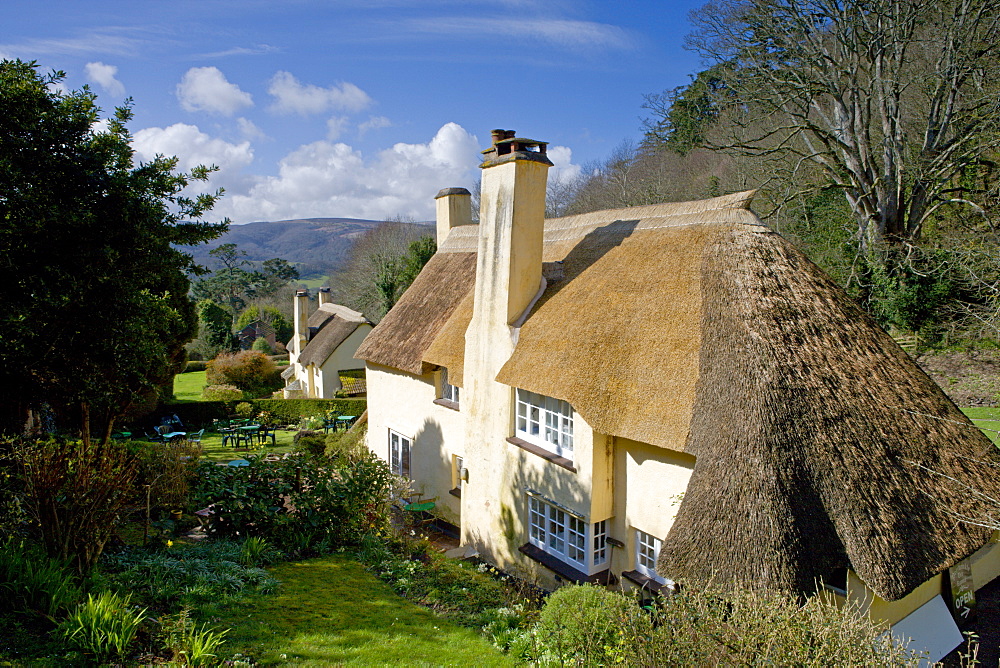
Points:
(566, 536)
(647, 548)
(546, 422)
(399, 454)
(448, 391)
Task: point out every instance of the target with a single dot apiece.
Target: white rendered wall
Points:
(404, 403)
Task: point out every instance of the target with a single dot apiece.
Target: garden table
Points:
(346, 421)
(247, 434)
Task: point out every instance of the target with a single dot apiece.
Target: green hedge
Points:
(285, 411)
(195, 365)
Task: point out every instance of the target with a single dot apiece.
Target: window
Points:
(399, 454)
(566, 536)
(546, 422)
(647, 549)
(449, 392)
(456, 476)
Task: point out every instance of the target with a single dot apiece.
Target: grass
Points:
(188, 386)
(987, 419)
(331, 611)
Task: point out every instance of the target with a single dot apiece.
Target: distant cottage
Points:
(671, 391)
(323, 345)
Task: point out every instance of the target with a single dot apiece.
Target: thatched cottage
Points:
(323, 344)
(666, 392)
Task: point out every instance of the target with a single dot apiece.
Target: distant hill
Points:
(316, 246)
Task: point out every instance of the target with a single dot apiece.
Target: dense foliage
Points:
(96, 310)
(251, 371)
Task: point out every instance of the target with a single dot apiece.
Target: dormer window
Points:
(545, 422)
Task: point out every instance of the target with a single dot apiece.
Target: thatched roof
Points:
(815, 437)
(694, 327)
(406, 331)
(334, 324)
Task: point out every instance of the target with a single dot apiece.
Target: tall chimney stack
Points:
(301, 322)
(454, 208)
(324, 296)
(511, 220)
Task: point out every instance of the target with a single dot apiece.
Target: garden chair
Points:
(229, 434)
(330, 422)
(195, 438)
(266, 432)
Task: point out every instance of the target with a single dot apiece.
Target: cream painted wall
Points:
(327, 382)
(404, 403)
(649, 483)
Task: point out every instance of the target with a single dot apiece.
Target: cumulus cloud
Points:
(206, 89)
(104, 76)
(194, 147)
(563, 170)
(328, 178)
(292, 97)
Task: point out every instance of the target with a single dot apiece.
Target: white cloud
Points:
(332, 179)
(293, 97)
(561, 32)
(104, 76)
(374, 123)
(206, 89)
(335, 127)
(257, 50)
(193, 147)
(563, 170)
(249, 130)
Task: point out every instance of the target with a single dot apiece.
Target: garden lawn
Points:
(987, 419)
(331, 611)
(188, 386)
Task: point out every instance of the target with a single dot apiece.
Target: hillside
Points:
(314, 245)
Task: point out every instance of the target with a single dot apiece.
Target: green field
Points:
(188, 386)
(331, 611)
(987, 419)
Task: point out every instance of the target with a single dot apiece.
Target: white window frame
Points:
(647, 550)
(545, 422)
(457, 463)
(449, 392)
(567, 536)
(400, 454)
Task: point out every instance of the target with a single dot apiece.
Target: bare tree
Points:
(376, 269)
(895, 101)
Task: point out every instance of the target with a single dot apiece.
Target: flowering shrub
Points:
(250, 370)
(222, 393)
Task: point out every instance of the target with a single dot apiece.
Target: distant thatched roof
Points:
(335, 323)
(694, 327)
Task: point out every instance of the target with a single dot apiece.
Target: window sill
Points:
(646, 582)
(457, 492)
(543, 453)
(563, 569)
(447, 403)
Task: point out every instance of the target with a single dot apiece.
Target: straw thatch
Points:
(336, 323)
(408, 329)
(694, 327)
(815, 435)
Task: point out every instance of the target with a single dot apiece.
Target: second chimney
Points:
(454, 208)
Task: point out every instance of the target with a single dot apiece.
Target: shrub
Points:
(77, 493)
(262, 346)
(582, 625)
(103, 626)
(30, 580)
(249, 370)
(244, 409)
(248, 500)
(190, 645)
(195, 365)
(310, 442)
(222, 393)
(207, 572)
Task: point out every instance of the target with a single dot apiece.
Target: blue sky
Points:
(353, 108)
